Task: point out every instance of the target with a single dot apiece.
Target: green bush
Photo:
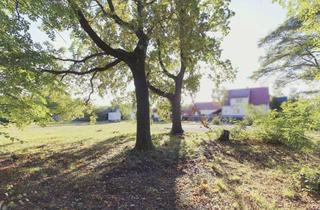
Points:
(310, 179)
(239, 131)
(289, 126)
(216, 121)
(252, 114)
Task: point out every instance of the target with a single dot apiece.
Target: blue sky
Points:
(253, 20)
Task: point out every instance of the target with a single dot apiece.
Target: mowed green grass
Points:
(82, 166)
(57, 136)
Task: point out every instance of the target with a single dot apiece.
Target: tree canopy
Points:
(291, 54)
(177, 53)
(192, 36)
(307, 11)
(26, 95)
(294, 47)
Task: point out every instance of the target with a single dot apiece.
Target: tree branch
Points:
(115, 17)
(17, 10)
(93, 70)
(92, 87)
(164, 69)
(111, 6)
(118, 53)
(314, 58)
(140, 8)
(81, 60)
(307, 60)
(182, 65)
(160, 92)
(311, 54)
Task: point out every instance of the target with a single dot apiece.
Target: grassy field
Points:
(56, 137)
(92, 167)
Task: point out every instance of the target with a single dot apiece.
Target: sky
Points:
(252, 21)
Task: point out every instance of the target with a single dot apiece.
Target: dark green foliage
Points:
(310, 179)
(26, 95)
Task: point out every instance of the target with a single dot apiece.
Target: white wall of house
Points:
(239, 101)
(239, 110)
(207, 111)
(237, 107)
(236, 111)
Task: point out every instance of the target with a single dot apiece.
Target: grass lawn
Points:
(56, 137)
(92, 167)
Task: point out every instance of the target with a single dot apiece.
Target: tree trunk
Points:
(143, 136)
(176, 128)
(224, 137)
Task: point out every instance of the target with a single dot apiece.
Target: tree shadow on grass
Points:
(144, 181)
(259, 154)
(107, 175)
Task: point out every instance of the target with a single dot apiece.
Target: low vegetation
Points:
(291, 126)
(92, 166)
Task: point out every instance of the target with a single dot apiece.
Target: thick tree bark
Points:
(135, 60)
(143, 136)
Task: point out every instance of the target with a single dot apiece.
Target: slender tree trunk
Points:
(176, 128)
(143, 136)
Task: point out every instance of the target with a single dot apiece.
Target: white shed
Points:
(114, 116)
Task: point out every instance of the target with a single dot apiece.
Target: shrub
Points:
(253, 113)
(216, 121)
(289, 126)
(310, 179)
(93, 119)
(239, 131)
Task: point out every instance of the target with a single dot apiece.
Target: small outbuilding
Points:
(114, 116)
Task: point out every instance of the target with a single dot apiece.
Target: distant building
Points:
(238, 99)
(114, 116)
(201, 109)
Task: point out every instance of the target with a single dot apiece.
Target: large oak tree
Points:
(106, 36)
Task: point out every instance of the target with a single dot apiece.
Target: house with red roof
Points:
(201, 109)
(238, 99)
